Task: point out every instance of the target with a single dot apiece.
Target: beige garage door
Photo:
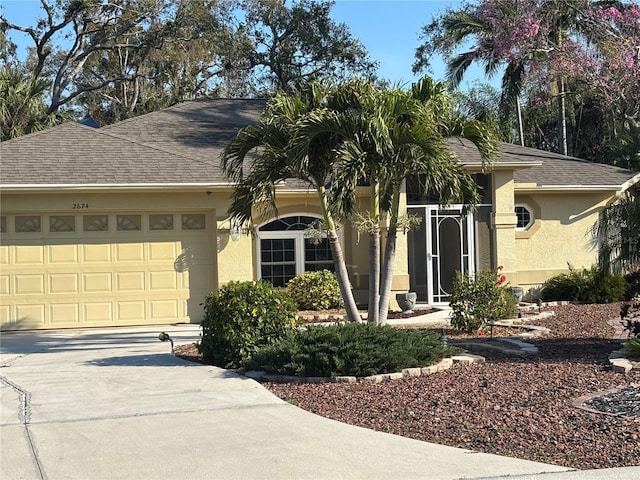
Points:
(104, 269)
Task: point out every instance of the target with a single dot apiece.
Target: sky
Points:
(389, 29)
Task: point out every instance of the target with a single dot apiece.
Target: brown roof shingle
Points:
(181, 145)
(176, 146)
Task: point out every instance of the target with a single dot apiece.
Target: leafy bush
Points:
(358, 349)
(586, 286)
(632, 288)
(241, 317)
(315, 290)
(479, 299)
(630, 316)
(632, 348)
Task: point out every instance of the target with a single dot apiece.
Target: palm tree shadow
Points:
(142, 360)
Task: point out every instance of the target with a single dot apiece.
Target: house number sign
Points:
(79, 206)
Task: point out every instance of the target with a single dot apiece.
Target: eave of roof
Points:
(7, 188)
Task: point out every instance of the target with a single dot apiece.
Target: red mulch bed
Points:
(520, 407)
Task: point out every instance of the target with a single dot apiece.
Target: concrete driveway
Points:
(115, 404)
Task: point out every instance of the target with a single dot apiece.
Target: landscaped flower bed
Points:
(522, 407)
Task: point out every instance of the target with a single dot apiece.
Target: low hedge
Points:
(355, 349)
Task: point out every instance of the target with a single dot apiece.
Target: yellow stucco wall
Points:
(559, 235)
(503, 220)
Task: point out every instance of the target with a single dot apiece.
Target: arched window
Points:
(283, 252)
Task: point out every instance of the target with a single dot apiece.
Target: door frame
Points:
(468, 260)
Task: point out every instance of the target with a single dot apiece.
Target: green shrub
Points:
(632, 288)
(481, 298)
(585, 286)
(632, 348)
(358, 349)
(241, 317)
(315, 290)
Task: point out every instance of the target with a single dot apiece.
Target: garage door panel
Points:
(132, 311)
(162, 251)
(198, 249)
(59, 254)
(96, 282)
(29, 284)
(130, 281)
(64, 313)
(4, 255)
(130, 252)
(30, 315)
(99, 253)
(161, 310)
(98, 312)
(163, 281)
(5, 314)
(63, 283)
(5, 282)
(29, 255)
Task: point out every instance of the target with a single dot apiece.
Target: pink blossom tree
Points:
(586, 44)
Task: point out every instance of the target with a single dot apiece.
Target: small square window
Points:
(66, 223)
(26, 224)
(95, 223)
(128, 223)
(524, 216)
(193, 221)
(161, 222)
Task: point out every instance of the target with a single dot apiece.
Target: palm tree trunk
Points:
(374, 277)
(562, 118)
(343, 277)
(387, 272)
(340, 266)
(519, 118)
(389, 257)
(374, 257)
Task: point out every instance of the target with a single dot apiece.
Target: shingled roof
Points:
(539, 169)
(177, 146)
(181, 145)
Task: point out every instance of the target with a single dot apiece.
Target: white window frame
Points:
(531, 216)
(298, 235)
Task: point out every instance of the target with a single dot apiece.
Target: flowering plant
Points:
(479, 299)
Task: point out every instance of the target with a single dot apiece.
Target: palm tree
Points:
(260, 157)
(617, 234)
(458, 26)
(395, 134)
(421, 121)
(22, 108)
(561, 20)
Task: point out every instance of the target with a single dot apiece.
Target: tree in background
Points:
(91, 29)
(22, 109)
(298, 41)
(568, 51)
(121, 58)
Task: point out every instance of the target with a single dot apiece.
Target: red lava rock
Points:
(520, 407)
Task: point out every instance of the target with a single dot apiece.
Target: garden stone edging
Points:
(620, 364)
(442, 365)
(521, 348)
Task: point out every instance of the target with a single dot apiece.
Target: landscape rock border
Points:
(581, 401)
(444, 364)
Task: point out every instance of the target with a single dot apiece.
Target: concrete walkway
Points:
(115, 404)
